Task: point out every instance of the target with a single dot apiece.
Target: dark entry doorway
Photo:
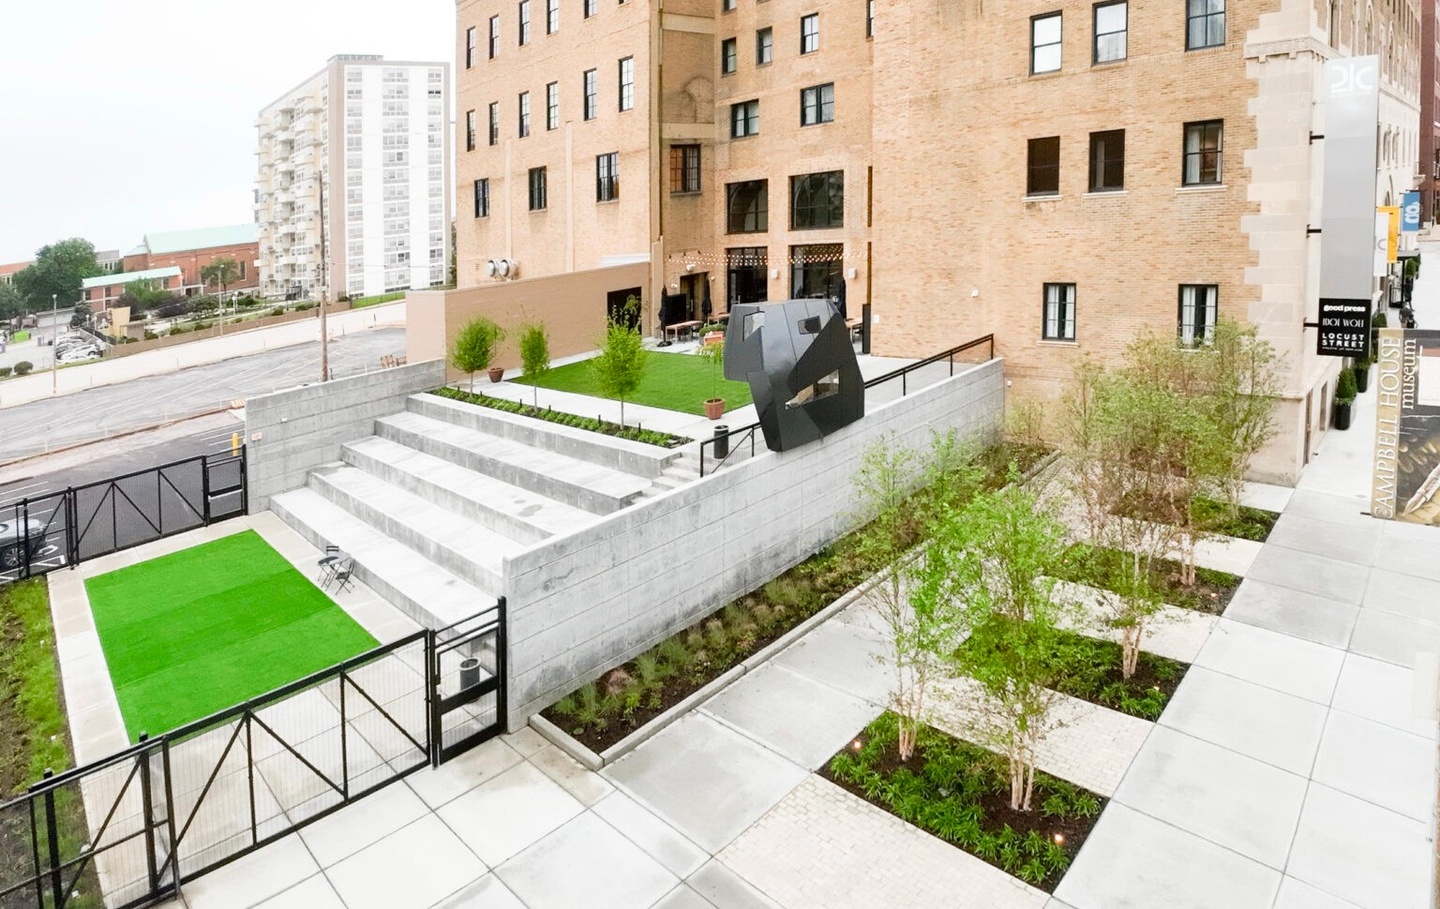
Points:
(617, 310)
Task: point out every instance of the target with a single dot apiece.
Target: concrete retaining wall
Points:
(582, 603)
(289, 432)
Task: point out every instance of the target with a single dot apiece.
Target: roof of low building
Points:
(13, 267)
(169, 271)
(201, 238)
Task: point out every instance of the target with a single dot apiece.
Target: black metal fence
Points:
(55, 530)
(128, 831)
(725, 445)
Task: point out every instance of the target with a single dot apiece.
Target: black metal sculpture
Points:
(801, 368)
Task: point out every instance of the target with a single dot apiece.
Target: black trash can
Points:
(722, 441)
(469, 673)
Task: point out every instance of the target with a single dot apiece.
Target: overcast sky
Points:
(123, 117)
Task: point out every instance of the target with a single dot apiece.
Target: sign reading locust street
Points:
(1344, 328)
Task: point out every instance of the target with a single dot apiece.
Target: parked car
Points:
(16, 548)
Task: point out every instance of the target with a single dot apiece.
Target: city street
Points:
(99, 413)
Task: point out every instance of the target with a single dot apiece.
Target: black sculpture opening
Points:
(801, 368)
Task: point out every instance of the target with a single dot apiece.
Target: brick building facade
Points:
(192, 250)
(1062, 177)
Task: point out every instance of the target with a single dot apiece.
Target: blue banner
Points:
(1409, 213)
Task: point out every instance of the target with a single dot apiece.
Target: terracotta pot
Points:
(496, 373)
(714, 408)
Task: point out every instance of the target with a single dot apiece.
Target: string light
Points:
(701, 257)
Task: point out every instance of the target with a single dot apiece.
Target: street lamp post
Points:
(54, 334)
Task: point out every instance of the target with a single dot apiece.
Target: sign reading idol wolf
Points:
(1406, 484)
(801, 368)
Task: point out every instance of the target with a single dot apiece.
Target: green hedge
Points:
(633, 433)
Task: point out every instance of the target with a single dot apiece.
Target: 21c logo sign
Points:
(1359, 76)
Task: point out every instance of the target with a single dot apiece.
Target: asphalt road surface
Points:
(99, 413)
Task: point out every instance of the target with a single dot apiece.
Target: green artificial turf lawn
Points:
(203, 629)
(673, 381)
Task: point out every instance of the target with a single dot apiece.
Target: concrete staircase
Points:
(431, 504)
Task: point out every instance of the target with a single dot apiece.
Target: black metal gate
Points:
(40, 534)
(467, 683)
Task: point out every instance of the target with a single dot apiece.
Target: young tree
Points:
(1243, 385)
(896, 489)
(58, 270)
(534, 355)
(12, 305)
(80, 314)
(142, 295)
(476, 346)
(622, 360)
(984, 573)
(223, 272)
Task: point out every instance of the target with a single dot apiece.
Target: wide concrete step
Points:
(450, 540)
(596, 489)
(623, 455)
(508, 510)
(412, 583)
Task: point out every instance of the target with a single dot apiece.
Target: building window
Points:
(684, 168)
(1045, 44)
(744, 119)
(817, 201)
(810, 33)
(494, 37)
(1107, 161)
(590, 94)
(1199, 308)
(524, 22)
(552, 105)
(1059, 322)
(494, 122)
(727, 6)
(815, 271)
(1203, 143)
(746, 281)
(1042, 167)
(482, 198)
(748, 207)
(764, 46)
(627, 83)
(817, 105)
(471, 47)
(589, 8)
(728, 56)
(552, 16)
(607, 177)
(469, 130)
(1111, 25)
(537, 189)
(1204, 23)
(524, 114)
(869, 18)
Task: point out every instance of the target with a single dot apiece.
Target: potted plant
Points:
(1362, 373)
(1344, 398)
(476, 346)
(714, 352)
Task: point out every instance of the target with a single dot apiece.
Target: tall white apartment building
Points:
(364, 147)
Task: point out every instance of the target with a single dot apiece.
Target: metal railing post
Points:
(147, 803)
(205, 486)
(502, 664)
(52, 834)
(344, 744)
(174, 857)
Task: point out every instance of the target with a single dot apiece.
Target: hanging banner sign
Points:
(1406, 481)
(1344, 327)
(1348, 223)
(1409, 213)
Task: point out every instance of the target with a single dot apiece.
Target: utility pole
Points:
(324, 289)
(54, 335)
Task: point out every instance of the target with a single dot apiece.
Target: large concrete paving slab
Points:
(1393, 638)
(1332, 578)
(658, 839)
(802, 719)
(1407, 555)
(1225, 797)
(843, 656)
(1311, 503)
(723, 887)
(586, 863)
(1404, 594)
(1360, 852)
(1296, 894)
(487, 893)
(1133, 861)
(1380, 764)
(705, 779)
(1347, 542)
(1287, 664)
(460, 775)
(499, 818)
(417, 866)
(1279, 729)
(1383, 693)
(362, 823)
(1294, 612)
(311, 893)
(256, 877)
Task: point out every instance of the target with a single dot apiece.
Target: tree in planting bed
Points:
(476, 346)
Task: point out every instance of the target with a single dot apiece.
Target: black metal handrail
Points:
(739, 435)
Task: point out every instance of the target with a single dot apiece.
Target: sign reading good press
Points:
(1344, 327)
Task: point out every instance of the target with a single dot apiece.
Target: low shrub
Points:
(304, 307)
(5, 372)
(23, 367)
(633, 433)
(150, 335)
(178, 329)
(278, 311)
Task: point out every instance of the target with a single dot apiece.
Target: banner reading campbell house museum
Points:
(1407, 429)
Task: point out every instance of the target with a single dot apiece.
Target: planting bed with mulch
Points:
(1214, 517)
(1092, 673)
(960, 793)
(627, 697)
(593, 424)
(1095, 565)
